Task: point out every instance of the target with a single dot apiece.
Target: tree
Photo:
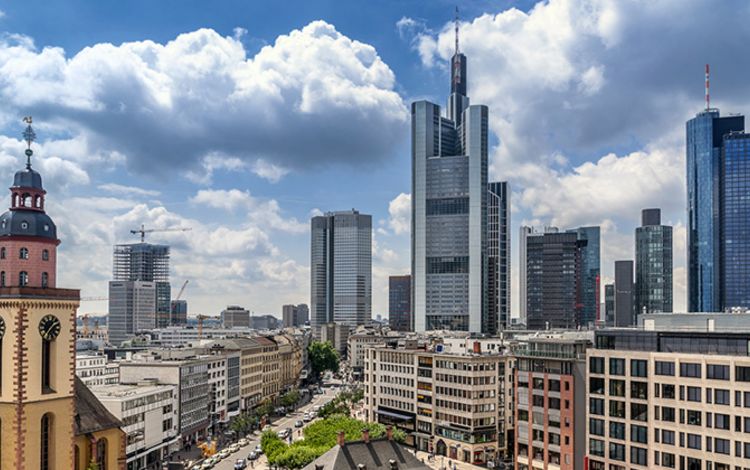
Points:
(322, 357)
(264, 408)
(290, 398)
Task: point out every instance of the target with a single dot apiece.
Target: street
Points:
(278, 425)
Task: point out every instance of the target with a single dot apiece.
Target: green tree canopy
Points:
(323, 357)
(290, 398)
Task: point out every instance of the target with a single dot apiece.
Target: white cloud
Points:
(399, 210)
(266, 213)
(127, 190)
(2, 14)
(269, 171)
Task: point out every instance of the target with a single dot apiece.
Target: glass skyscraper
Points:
(449, 210)
(498, 258)
(341, 269)
(705, 134)
(653, 264)
(734, 195)
(399, 303)
(148, 263)
(590, 274)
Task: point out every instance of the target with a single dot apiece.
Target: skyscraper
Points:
(498, 257)
(705, 134)
(609, 304)
(399, 303)
(588, 291)
(147, 263)
(449, 210)
(295, 315)
(132, 309)
(552, 278)
(734, 254)
(653, 264)
(341, 269)
(624, 294)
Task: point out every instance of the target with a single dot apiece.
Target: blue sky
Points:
(241, 119)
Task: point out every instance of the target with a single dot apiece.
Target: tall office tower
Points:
(449, 210)
(235, 316)
(498, 257)
(179, 311)
(552, 279)
(132, 309)
(148, 263)
(734, 254)
(294, 315)
(609, 304)
(399, 303)
(705, 134)
(524, 233)
(624, 294)
(653, 264)
(588, 291)
(341, 269)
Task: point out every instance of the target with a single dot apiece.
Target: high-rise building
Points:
(449, 210)
(624, 294)
(705, 134)
(399, 303)
(609, 304)
(498, 257)
(132, 307)
(179, 311)
(589, 288)
(295, 315)
(552, 278)
(235, 316)
(653, 264)
(341, 269)
(148, 263)
(734, 253)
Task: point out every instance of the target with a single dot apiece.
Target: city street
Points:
(277, 425)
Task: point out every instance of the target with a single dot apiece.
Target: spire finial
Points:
(456, 26)
(29, 136)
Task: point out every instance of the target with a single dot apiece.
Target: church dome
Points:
(28, 178)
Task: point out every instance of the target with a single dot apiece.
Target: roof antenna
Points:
(29, 136)
(456, 26)
(708, 97)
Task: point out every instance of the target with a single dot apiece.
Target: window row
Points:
(23, 279)
(23, 253)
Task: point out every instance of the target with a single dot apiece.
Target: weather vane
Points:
(29, 136)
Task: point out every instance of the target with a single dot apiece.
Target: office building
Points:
(295, 315)
(705, 140)
(399, 303)
(449, 210)
(550, 394)
(609, 304)
(93, 369)
(625, 314)
(147, 263)
(235, 316)
(498, 257)
(341, 269)
(264, 322)
(179, 311)
(653, 264)
(452, 403)
(590, 272)
(132, 309)
(552, 275)
(336, 334)
(734, 231)
(662, 399)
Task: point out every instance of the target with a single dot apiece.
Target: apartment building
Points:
(252, 359)
(185, 335)
(550, 393)
(290, 362)
(452, 404)
(360, 340)
(666, 399)
(93, 369)
(150, 416)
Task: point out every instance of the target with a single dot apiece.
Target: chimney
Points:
(366, 435)
(389, 432)
(392, 464)
(340, 438)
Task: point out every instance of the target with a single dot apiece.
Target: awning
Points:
(394, 415)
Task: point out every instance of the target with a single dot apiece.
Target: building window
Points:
(2, 279)
(742, 374)
(664, 368)
(616, 388)
(596, 385)
(617, 409)
(596, 427)
(638, 368)
(638, 434)
(596, 407)
(639, 412)
(639, 390)
(45, 255)
(2, 253)
(23, 253)
(616, 451)
(23, 278)
(77, 457)
(101, 454)
(596, 365)
(694, 394)
(694, 441)
(47, 441)
(638, 456)
(596, 447)
(45, 279)
(47, 366)
(689, 369)
(616, 366)
(721, 397)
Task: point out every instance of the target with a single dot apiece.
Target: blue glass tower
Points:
(588, 290)
(705, 134)
(734, 197)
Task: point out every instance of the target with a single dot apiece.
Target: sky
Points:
(240, 120)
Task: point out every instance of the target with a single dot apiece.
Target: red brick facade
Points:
(34, 264)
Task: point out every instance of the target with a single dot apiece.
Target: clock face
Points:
(49, 327)
(2, 327)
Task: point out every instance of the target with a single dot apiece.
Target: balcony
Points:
(526, 352)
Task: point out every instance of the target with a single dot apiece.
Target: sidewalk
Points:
(441, 462)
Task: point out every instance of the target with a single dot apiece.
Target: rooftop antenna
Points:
(708, 97)
(29, 136)
(456, 27)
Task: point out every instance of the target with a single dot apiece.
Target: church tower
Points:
(37, 334)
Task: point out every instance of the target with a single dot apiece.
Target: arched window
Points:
(2, 253)
(23, 278)
(2, 278)
(77, 456)
(38, 202)
(45, 279)
(47, 442)
(101, 454)
(45, 255)
(23, 253)
(26, 200)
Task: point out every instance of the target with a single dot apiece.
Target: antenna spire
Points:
(456, 27)
(708, 97)
(29, 136)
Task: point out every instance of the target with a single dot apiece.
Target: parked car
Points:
(306, 418)
(243, 442)
(240, 464)
(224, 454)
(258, 450)
(252, 455)
(283, 434)
(298, 424)
(234, 448)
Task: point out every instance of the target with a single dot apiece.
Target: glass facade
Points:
(399, 303)
(588, 291)
(735, 221)
(653, 267)
(498, 258)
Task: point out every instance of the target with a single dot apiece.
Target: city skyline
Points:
(249, 231)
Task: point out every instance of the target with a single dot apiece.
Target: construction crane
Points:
(201, 317)
(179, 296)
(143, 231)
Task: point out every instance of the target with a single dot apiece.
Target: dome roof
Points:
(28, 178)
(27, 223)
